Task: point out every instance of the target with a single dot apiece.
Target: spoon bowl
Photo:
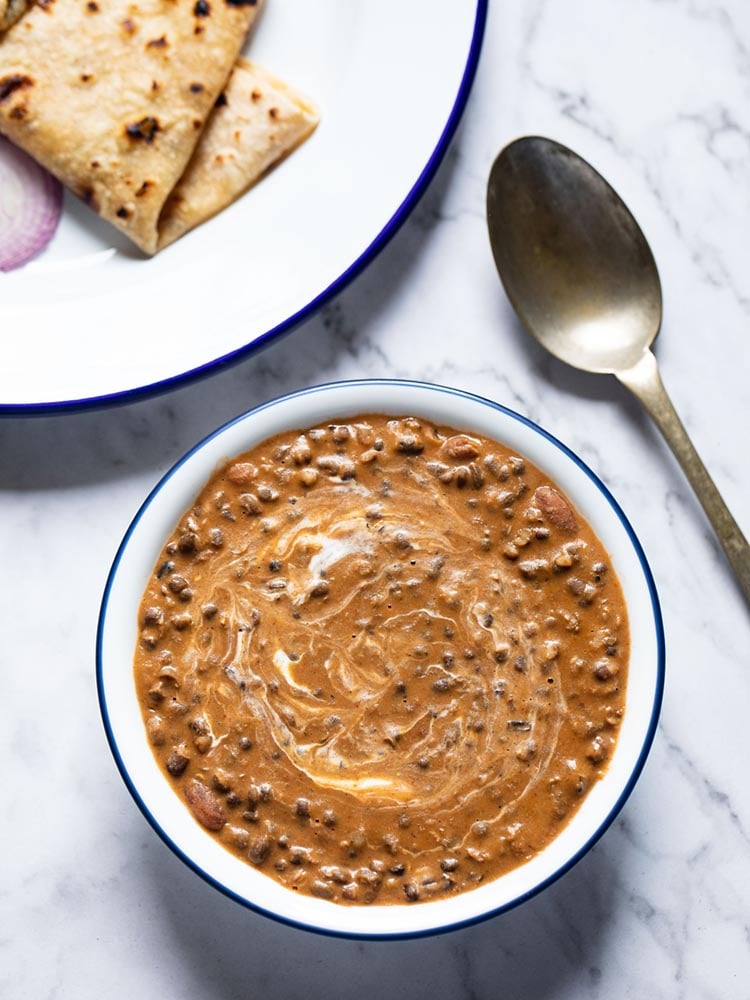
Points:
(581, 276)
(572, 258)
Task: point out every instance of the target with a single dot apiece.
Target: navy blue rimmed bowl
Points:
(117, 635)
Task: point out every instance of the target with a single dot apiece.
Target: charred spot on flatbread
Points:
(202, 9)
(144, 130)
(10, 12)
(10, 84)
(87, 196)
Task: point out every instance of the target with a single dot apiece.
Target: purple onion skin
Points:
(27, 227)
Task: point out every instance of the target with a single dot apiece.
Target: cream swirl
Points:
(365, 645)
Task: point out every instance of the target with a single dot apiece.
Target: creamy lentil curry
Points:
(382, 661)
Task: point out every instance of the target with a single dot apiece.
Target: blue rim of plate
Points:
(390, 229)
(624, 795)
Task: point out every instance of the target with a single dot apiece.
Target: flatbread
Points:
(112, 96)
(256, 122)
(10, 12)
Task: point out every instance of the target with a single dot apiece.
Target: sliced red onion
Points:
(30, 207)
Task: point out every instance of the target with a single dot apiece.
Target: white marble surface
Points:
(657, 94)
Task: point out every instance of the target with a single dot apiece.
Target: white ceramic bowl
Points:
(117, 636)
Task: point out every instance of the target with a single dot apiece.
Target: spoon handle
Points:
(644, 381)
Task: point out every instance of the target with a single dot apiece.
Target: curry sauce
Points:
(382, 661)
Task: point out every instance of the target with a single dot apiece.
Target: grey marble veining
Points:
(657, 94)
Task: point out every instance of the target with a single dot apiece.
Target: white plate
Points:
(91, 319)
(117, 639)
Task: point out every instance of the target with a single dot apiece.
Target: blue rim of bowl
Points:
(390, 229)
(624, 795)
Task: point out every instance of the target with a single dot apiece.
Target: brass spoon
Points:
(583, 281)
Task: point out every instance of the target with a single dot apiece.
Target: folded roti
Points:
(256, 122)
(112, 96)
